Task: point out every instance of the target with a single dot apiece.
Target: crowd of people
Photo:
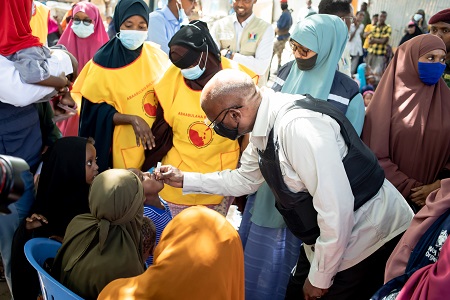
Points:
(141, 135)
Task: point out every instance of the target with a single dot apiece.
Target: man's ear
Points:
(235, 114)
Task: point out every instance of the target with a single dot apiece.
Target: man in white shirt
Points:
(307, 11)
(354, 45)
(245, 38)
(303, 153)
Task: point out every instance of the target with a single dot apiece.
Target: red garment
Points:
(432, 281)
(84, 48)
(437, 203)
(15, 31)
(407, 123)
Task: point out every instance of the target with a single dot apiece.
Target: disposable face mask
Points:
(430, 73)
(83, 31)
(222, 130)
(132, 39)
(417, 17)
(195, 72)
(306, 64)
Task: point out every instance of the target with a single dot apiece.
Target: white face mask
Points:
(417, 17)
(83, 31)
(132, 39)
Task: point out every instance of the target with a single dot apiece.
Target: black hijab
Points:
(196, 37)
(62, 190)
(113, 54)
(408, 36)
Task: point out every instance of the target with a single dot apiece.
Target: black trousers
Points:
(358, 282)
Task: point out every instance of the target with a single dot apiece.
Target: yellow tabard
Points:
(39, 22)
(196, 147)
(130, 91)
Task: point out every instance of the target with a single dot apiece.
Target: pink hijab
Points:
(437, 203)
(84, 49)
(432, 281)
(407, 123)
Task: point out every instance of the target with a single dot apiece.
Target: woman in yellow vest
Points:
(189, 143)
(118, 104)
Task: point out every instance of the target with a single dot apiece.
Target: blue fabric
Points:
(425, 252)
(361, 74)
(284, 22)
(162, 26)
(270, 254)
(327, 36)
(160, 218)
(356, 112)
(9, 223)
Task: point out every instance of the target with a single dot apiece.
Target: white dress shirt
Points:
(311, 152)
(13, 91)
(259, 63)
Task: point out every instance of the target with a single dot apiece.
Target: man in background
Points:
(246, 39)
(440, 26)
(284, 23)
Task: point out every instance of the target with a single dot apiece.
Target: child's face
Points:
(149, 182)
(91, 163)
(367, 99)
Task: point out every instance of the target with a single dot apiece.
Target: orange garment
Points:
(64, 20)
(199, 256)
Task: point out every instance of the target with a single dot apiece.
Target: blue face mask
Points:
(430, 73)
(195, 72)
(132, 39)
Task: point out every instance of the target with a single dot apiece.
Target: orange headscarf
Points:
(407, 123)
(199, 256)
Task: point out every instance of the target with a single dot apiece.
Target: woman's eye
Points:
(89, 163)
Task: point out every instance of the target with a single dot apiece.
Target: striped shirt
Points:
(160, 217)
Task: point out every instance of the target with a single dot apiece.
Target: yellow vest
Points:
(224, 33)
(130, 90)
(196, 147)
(39, 22)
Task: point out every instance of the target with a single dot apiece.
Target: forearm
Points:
(56, 82)
(122, 119)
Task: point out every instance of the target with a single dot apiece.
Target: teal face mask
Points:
(132, 39)
(195, 72)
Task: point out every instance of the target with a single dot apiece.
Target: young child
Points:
(367, 96)
(148, 237)
(18, 45)
(155, 207)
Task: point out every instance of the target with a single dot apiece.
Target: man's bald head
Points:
(225, 89)
(231, 99)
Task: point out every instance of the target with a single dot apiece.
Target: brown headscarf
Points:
(199, 256)
(105, 244)
(437, 203)
(407, 122)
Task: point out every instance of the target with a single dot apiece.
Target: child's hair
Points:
(90, 140)
(148, 236)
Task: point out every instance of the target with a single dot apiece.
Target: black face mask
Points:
(306, 64)
(222, 130)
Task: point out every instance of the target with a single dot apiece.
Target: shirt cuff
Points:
(319, 279)
(192, 183)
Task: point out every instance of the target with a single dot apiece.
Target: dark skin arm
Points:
(379, 41)
(57, 82)
(141, 129)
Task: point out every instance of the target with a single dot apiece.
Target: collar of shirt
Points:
(267, 112)
(245, 22)
(169, 16)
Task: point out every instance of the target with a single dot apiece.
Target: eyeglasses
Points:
(348, 18)
(86, 22)
(212, 124)
(303, 51)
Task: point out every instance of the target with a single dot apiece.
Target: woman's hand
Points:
(143, 132)
(35, 221)
(419, 194)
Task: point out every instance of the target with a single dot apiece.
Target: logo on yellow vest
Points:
(149, 104)
(199, 134)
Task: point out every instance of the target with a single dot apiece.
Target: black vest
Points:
(363, 171)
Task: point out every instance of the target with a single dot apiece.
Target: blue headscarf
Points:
(361, 73)
(327, 36)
